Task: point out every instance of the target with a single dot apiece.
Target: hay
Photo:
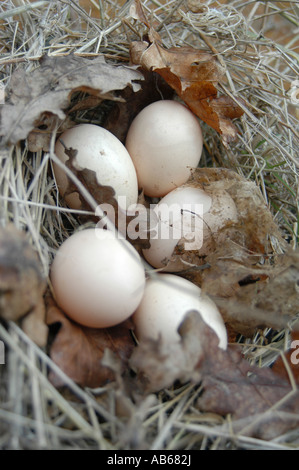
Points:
(261, 68)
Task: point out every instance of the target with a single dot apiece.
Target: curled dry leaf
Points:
(40, 137)
(193, 74)
(101, 195)
(122, 113)
(230, 384)
(255, 229)
(79, 350)
(88, 178)
(22, 284)
(261, 403)
(267, 296)
(159, 363)
(49, 87)
(252, 286)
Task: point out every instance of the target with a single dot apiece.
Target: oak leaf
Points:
(252, 285)
(100, 193)
(22, 284)
(49, 88)
(267, 296)
(122, 113)
(161, 363)
(193, 74)
(79, 350)
(260, 402)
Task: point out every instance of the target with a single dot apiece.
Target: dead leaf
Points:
(40, 137)
(251, 295)
(89, 102)
(260, 400)
(22, 284)
(137, 12)
(256, 229)
(34, 326)
(194, 76)
(261, 403)
(88, 178)
(160, 363)
(102, 195)
(48, 89)
(122, 113)
(79, 350)
(266, 297)
(251, 285)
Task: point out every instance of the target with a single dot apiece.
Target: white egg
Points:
(199, 218)
(167, 299)
(100, 151)
(98, 279)
(165, 142)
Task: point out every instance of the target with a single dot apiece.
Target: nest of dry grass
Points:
(261, 68)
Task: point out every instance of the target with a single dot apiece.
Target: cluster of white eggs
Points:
(98, 278)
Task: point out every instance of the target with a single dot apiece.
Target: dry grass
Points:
(261, 67)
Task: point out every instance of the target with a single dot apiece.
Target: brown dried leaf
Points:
(40, 137)
(22, 283)
(137, 12)
(88, 178)
(160, 364)
(249, 293)
(34, 325)
(79, 350)
(122, 113)
(48, 89)
(261, 402)
(193, 74)
(255, 228)
(102, 195)
(266, 297)
(230, 384)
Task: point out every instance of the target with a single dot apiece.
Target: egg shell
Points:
(167, 299)
(165, 142)
(98, 279)
(161, 249)
(219, 211)
(100, 151)
(223, 213)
